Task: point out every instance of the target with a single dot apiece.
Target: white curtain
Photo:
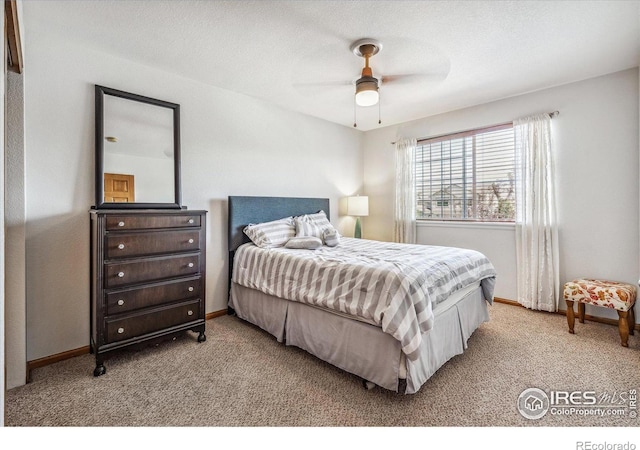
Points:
(536, 227)
(405, 203)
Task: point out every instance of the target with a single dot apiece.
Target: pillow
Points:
(319, 219)
(304, 228)
(271, 234)
(304, 242)
(331, 237)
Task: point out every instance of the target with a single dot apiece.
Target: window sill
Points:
(471, 225)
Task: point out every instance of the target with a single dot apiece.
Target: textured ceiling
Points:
(296, 54)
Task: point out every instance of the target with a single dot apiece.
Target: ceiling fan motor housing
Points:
(365, 83)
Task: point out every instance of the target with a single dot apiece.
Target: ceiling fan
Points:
(367, 85)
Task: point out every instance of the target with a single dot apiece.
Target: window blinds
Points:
(467, 176)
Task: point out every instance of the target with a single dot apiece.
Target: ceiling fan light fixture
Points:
(367, 91)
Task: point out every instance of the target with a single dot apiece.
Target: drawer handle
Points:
(190, 264)
(121, 246)
(120, 224)
(120, 302)
(190, 288)
(190, 313)
(120, 330)
(120, 274)
(190, 241)
(190, 220)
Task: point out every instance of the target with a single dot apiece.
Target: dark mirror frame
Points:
(100, 92)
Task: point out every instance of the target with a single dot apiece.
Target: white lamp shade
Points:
(358, 206)
(367, 98)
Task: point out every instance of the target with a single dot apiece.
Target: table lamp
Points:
(358, 206)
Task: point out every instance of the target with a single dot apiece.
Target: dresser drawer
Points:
(147, 221)
(148, 322)
(128, 300)
(150, 243)
(150, 269)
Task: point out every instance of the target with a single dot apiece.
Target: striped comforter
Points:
(393, 286)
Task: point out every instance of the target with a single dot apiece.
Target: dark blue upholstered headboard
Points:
(246, 210)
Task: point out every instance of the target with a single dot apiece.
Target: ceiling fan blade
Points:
(413, 78)
(323, 83)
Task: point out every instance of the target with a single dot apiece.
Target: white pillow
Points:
(320, 220)
(271, 234)
(331, 237)
(304, 242)
(304, 228)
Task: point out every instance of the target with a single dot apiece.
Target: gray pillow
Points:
(304, 242)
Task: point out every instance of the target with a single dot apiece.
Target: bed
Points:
(389, 313)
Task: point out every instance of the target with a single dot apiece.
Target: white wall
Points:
(595, 138)
(15, 286)
(231, 145)
(2, 232)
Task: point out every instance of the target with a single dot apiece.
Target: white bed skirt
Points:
(358, 347)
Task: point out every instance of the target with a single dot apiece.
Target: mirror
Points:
(137, 151)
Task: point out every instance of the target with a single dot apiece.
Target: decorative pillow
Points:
(320, 220)
(304, 228)
(305, 242)
(331, 237)
(271, 234)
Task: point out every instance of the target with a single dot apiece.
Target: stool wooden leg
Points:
(632, 320)
(571, 319)
(623, 327)
(581, 312)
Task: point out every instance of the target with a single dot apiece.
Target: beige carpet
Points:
(242, 377)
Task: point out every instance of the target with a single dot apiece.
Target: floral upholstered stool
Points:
(608, 294)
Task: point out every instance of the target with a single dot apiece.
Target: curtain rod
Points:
(551, 115)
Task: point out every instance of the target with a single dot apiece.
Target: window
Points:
(467, 176)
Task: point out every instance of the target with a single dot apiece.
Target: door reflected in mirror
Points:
(119, 188)
(137, 151)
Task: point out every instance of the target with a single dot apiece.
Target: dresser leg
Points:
(202, 337)
(100, 369)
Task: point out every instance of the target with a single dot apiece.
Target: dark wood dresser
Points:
(148, 277)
